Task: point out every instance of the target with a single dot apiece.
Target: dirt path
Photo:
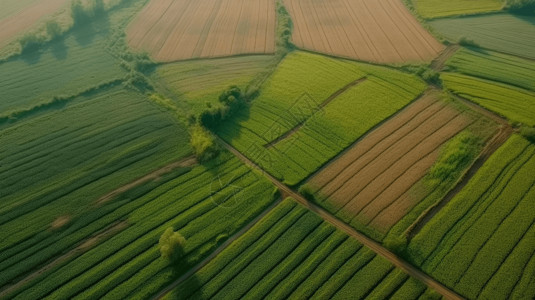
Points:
(83, 247)
(322, 105)
(494, 143)
(438, 63)
(219, 249)
(374, 246)
(186, 162)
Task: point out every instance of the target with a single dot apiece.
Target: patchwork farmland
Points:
(278, 149)
(377, 182)
(376, 31)
(301, 120)
(177, 30)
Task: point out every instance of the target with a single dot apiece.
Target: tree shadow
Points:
(85, 33)
(31, 56)
(58, 48)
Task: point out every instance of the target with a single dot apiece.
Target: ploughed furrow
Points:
(396, 151)
(369, 147)
(392, 171)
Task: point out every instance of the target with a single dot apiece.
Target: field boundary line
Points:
(331, 98)
(366, 241)
(220, 249)
(368, 132)
(82, 247)
(154, 175)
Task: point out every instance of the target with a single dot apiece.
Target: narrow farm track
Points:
(82, 247)
(438, 63)
(322, 105)
(223, 246)
(186, 162)
(372, 245)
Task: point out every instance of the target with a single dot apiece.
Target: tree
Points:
(53, 29)
(172, 245)
(203, 143)
(521, 6)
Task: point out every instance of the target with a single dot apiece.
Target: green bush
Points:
(203, 143)
(528, 133)
(467, 42)
(171, 245)
(31, 42)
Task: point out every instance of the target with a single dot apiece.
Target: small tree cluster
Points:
(231, 101)
(171, 245)
(81, 13)
(203, 143)
(31, 42)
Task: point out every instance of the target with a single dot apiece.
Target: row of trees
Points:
(521, 6)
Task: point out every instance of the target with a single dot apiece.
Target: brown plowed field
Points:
(371, 30)
(182, 29)
(24, 15)
(370, 183)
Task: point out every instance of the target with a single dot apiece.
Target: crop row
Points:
(486, 230)
(518, 105)
(494, 66)
(66, 67)
(291, 140)
(501, 32)
(190, 203)
(291, 253)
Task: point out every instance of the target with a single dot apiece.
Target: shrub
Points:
(528, 133)
(467, 42)
(307, 192)
(53, 30)
(203, 143)
(171, 245)
(396, 244)
(30, 42)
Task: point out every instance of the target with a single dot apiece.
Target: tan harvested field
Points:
(370, 30)
(372, 182)
(19, 16)
(182, 29)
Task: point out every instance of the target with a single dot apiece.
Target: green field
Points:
(292, 254)
(517, 105)
(206, 204)
(291, 131)
(501, 32)
(438, 8)
(494, 66)
(199, 82)
(482, 243)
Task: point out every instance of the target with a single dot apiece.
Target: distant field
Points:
(494, 66)
(438, 8)
(16, 16)
(65, 67)
(200, 82)
(206, 204)
(516, 104)
(369, 30)
(375, 183)
(482, 243)
(291, 253)
(176, 30)
(312, 108)
(502, 32)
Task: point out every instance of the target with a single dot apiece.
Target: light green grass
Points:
(494, 66)
(292, 100)
(292, 254)
(199, 82)
(501, 32)
(437, 8)
(517, 105)
(480, 242)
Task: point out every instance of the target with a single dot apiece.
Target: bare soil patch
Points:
(183, 29)
(371, 30)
